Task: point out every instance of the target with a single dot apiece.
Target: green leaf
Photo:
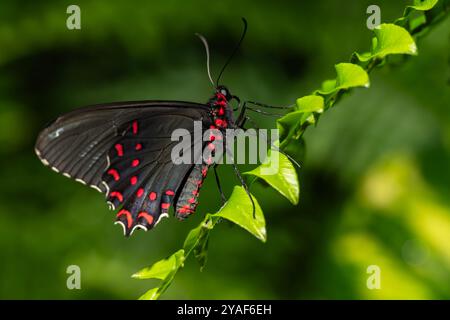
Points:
(201, 250)
(285, 180)
(163, 268)
(390, 39)
(307, 117)
(238, 209)
(349, 75)
(197, 239)
(312, 103)
(151, 294)
(421, 5)
(393, 39)
(191, 240)
(289, 126)
(408, 19)
(328, 85)
(417, 21)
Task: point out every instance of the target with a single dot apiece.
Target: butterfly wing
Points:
(124, 151)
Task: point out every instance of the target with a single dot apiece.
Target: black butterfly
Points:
(124, 151)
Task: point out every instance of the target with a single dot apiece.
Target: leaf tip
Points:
(413, 48)
(262, 235)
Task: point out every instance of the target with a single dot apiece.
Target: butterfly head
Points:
(222, 91)
(220, 105)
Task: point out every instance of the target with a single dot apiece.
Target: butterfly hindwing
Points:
(142, 177)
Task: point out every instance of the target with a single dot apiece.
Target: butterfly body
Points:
(222, 118)
(124, 151)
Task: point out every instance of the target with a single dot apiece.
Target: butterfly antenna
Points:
(234, 52)
(205, 43)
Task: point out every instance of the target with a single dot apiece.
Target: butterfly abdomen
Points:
(188, 198)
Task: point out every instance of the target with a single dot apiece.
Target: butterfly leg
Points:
(239, 103)
(267, 106)
(241, 179)
(241, 117)
(224, 199)
(244, 121)
(253, 104)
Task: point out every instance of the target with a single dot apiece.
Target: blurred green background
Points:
(374, 180)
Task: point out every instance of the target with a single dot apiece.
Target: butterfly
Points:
(124, 150)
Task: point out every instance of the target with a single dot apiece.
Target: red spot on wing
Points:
(186, 209)
(135, 127)
(165, 205)
(221, 112)
(140, 192)
(133, 180)
(116, 194)
(211, 146)
(170, 192)
(128, 215)
(191, 200)
(135, 163)
(114, 173)
(152, 196)
(146, 216)
(119, 149)
(138, 147)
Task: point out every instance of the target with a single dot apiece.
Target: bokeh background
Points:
(374, 178)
